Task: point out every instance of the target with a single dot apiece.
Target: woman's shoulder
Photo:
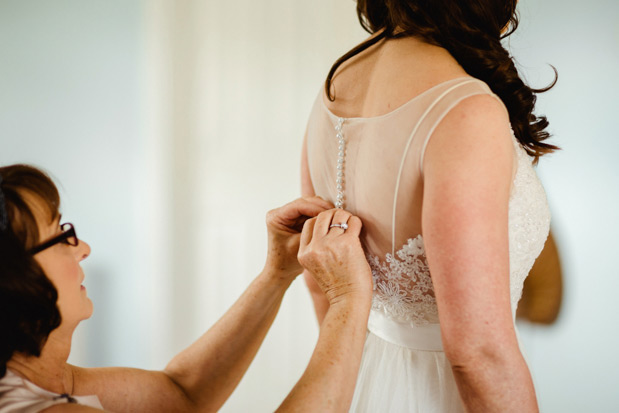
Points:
(20, 395)
(70, 408)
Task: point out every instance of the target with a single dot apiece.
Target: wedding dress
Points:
(404, 368)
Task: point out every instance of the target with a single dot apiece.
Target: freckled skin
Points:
(201, 377)
(335, 259)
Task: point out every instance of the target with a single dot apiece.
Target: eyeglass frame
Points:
(68, 236)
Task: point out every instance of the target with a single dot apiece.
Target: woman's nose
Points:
(84, 250)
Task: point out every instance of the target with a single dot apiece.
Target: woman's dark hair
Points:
(471, 31)
(28, 310)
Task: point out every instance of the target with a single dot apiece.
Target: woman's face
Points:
(61, 264)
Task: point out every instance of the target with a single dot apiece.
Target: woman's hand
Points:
(334, 256)
(284, 226)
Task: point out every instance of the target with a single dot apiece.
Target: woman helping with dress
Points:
(427, 133)
(42, 300)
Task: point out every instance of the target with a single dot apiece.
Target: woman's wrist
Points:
(358, 299)
(277, 275)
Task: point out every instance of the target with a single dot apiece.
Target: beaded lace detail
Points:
(403, 287)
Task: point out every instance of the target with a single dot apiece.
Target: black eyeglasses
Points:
(68, 236)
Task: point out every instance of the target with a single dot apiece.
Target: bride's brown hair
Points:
(471, 31)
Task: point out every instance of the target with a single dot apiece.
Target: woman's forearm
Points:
(201, 378)
(328, 383)
(321, 304)
(494, 381)
(210, 369)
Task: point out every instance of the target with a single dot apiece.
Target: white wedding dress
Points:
(404, 368)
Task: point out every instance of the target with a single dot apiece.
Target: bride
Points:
(427, 133)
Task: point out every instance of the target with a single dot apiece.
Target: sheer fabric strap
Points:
(443, 104)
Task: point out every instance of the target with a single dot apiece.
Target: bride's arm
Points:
(321, 304)
(467, 178)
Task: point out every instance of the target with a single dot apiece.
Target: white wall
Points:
(69, 103)
(240, 78)
(174, 126)
(575, 363)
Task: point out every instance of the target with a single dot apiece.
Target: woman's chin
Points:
(89, 308)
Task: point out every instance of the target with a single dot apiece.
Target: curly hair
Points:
(28, 310)
(471, 32)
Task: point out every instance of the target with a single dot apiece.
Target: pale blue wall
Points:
(575, 363)
(69, 103)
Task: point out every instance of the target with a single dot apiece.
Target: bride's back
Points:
(386, 112)
(390, 97)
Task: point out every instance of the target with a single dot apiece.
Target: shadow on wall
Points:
(543, 289)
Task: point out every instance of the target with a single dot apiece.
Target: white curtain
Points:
(229, 88)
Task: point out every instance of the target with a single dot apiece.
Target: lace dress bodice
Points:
(402, 282)
(387, 197)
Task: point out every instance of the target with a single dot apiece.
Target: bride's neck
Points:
(50, 370)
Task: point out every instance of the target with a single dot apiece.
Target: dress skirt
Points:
(404, 369)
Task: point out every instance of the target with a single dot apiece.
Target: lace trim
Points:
(403, 287)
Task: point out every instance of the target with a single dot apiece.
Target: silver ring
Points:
(343, 225)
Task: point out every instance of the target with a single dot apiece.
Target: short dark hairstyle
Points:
(28, 310)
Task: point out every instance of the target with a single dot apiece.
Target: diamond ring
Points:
(343, 225)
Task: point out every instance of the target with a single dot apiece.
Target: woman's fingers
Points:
(291, 230)
(306, 234)
(331, 222)
(340, 218)
(308, 207)
(334, 256)
(294, 214)
(323, 220)
(354, 226)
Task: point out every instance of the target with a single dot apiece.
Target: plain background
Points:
(172, 128)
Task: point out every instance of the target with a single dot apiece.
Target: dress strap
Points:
(484, 90)
(440, 98)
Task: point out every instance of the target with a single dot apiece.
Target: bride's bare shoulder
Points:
(475, 135)
(389, 74)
